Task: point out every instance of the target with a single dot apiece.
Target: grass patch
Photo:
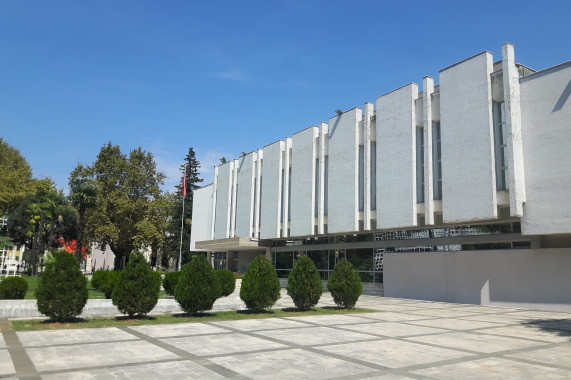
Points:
(178, 318)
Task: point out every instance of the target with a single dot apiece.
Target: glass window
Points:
(500, 142)
(419, 165)
(436, 160)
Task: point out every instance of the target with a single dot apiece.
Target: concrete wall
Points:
(468, 171)
(536, 279)
(303, 179)
(546, 132)
(223, 200)
(271, 190)
(343, 173)
(245, 196)
(201, 215)
(396, 160)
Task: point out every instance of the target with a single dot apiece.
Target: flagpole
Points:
(182, 218)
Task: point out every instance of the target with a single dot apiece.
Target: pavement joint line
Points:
(223, 371)
(311, 348)
(536, 362)
(81, 343)
(23, 365)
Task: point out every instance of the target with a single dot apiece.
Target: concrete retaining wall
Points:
(529, 279)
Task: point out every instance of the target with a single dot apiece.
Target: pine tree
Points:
(191, 165)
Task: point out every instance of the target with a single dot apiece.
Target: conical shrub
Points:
(304, 284)
(227, 281)
(197, 288)
(138, 287)
(345, 284)
(260, 285)
(62, 289)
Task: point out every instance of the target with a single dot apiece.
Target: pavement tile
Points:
(454, 324)
(530, 332)
(493, 368)
(447, 313)
(178, 329)
(96, 354)
(329, 320)
(220, 344)
(290, 364)
(476, 342)
(503, 318)
(72, 336)
(311, 336)
(261, 324)
(394, 353)
(393, 329)
(393, 316)
(2, 341)
(158, 371)
(6, 366)
(558, 355)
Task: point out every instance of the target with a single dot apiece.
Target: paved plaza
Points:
(406, 339)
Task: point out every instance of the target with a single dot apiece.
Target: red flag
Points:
(184, 185)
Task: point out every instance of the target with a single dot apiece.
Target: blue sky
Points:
(227, 77)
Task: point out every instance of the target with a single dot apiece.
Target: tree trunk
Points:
(79, 241)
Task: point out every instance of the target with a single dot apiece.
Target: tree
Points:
(137, 289)
(42, 220)
(260, 285)
(197, 287)
(15, 178)
(62, 290)
(345, 284)
(172, 246)
(130, 212)
(83, 196)
(304, 284)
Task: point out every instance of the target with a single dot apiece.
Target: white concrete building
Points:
(459, 192)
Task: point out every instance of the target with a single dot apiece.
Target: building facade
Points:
(457, 193)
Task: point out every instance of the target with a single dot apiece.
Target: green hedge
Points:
(170, 281)
(13, 288)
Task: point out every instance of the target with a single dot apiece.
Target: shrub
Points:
(304, 284)
(197, 288)
(260, 285)
(170, 281)
(62, 289)
(138, 287)
(13, 288)
(345, 284)
(105, 281)
(227, 281)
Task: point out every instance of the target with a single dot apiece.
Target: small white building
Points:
(457, 192)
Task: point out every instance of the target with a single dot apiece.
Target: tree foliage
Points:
(304, 284)
(62, 290)
(83, 196)
(197, 287)
(15, 177)
(105, 281)
(42, 220)
(170, 281)
(260, 285)
(345, 284)
(172, 246)
(130, 211)
(138, 287)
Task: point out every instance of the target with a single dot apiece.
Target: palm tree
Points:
(83, 196)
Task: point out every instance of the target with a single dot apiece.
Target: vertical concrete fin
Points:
(428, 89)
(513, 125)
(323, 138)
(367, 116)
(396, 158)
